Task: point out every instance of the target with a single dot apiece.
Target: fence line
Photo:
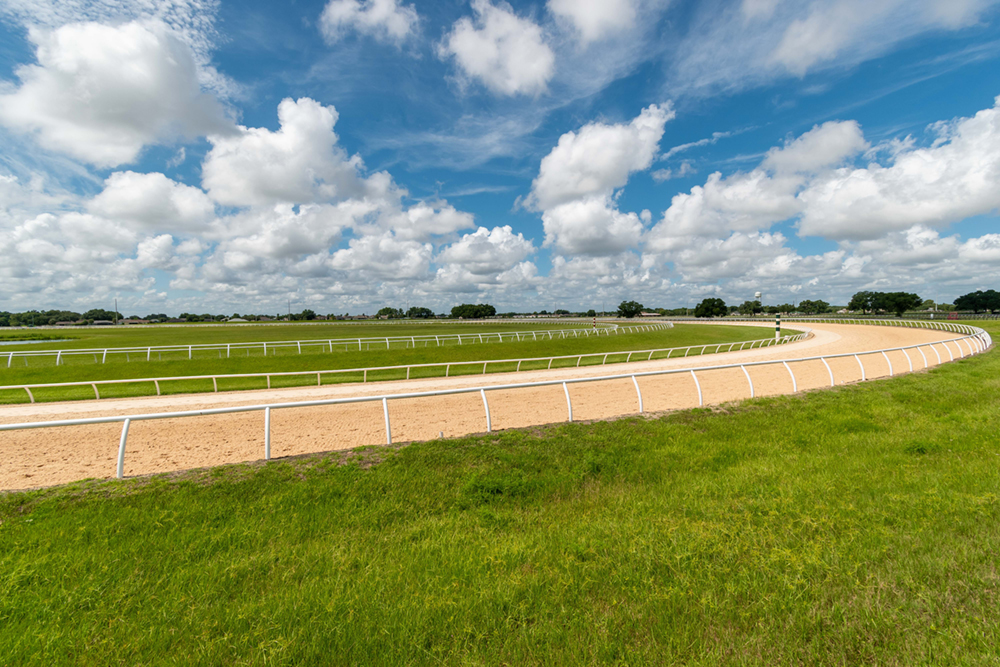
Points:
(329, 343)
(978, 341)
(447, 365)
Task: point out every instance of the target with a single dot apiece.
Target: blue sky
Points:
(350, 154)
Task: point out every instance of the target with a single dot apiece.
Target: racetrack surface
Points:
(45, 457)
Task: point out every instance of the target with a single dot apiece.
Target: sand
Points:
(45, 457)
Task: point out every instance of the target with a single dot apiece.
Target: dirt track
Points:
(51, 456)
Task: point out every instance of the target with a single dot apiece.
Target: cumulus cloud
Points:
(826, 145)
(504, 51)
(423, 220)
(595, 19)
(153, 202)
(598, 158)
(300, 163)
(590, 226)
(101, 93)
(953, 179)
(385, 257)
(488, 252)
(384, 20)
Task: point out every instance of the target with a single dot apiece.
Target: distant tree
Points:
(591, 313)
(863, 301)
(813, 307)
(101, 314)
(979, 301)
(562, 312)
(711, 308)
(391, 313)
(419, 313)
(750, 308)
(629, 309)
(473, 311)
(897, 302)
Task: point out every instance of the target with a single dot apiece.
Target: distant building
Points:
(103, 323)
(237, 319)
(133, 322)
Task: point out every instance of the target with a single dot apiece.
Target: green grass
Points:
(153, 335)
(859, 525)
(681, 335)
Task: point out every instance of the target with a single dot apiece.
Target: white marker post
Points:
(777, 327)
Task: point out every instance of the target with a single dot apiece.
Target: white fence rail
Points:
(145, 353)
(447, 366)
(976, 342)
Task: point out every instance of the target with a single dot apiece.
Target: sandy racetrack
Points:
(44, 457)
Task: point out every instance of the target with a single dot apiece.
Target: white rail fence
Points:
(145, 353)
(447, 366)
(977, 341)
(769, 320)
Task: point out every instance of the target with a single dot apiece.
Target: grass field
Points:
(682, 335)
(859, 525)
(143, 336)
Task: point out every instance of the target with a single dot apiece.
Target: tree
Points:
(897, 302)
(750, 308)
(711, 308)
(978, 301)
(629, 309)
(473, 311)
(591, 313)
(419, 313)
(813, 307)
(863, 301)
(390, 313)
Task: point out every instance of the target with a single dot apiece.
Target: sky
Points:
(251, 157)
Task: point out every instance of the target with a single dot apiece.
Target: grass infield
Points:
(854, 525)
(288, 360)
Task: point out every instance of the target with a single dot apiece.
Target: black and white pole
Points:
(777, 326)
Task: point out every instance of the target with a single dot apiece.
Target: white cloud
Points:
(153, 202)
(750, 43)
(949, 181)
(385, 20)
(591, 226)
(504, 51)
(826, 145)
(595, 19)
(661, 175)
(487, 252)
(423, 220)
(384, 257)
(300, 163)
(101, 93)
(598, 158)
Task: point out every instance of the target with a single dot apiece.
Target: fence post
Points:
(905, 354)
(268, 381)
(936, 353)
(30, 396)
(888, 362)
(743, 368)
(828, 370)
(701, 400)
(10, 358)
(121, 448)
(637, 393)
(388, 428)
(924, 356)
(267, 433)
(104, 356)
(189, 350)
(299, 343)
(795, 385)
(215, 385)
(486, 406)
(569, 403)
(97, 394)
(858, 359)
(156, 384)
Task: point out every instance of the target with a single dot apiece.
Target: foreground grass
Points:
(289, 361)
(856, 525)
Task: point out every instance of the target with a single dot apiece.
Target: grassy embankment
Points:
(845, 526)
(313, 359)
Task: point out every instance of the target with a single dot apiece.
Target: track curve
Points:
(58, 455)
